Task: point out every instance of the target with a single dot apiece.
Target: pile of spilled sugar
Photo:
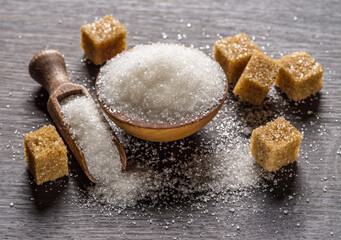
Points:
(161, 83)
(213, 163)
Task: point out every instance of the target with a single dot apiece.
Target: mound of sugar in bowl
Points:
(161, 83)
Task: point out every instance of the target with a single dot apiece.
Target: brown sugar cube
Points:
(257, 78)
(276, 144)
(299, 75)
(103, 39)
(233, 53)
(46, 154)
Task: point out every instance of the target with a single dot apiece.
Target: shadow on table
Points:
(178, 167)
(93, 71)
(283, 183)
(49, 193)
(42, 96)
(304, 109)
(279, 203)
(255, 116)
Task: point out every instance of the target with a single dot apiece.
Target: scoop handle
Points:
(48, 68)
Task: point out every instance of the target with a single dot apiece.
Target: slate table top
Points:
(306, 206)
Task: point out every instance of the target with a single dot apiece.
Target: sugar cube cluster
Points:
(298, 75)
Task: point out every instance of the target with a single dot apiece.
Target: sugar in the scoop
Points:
(92, 133)
(161, 83)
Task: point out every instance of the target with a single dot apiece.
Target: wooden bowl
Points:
(161, 132)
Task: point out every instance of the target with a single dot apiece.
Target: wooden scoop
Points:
(48, 68)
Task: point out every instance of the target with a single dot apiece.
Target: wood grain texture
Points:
(53, 210)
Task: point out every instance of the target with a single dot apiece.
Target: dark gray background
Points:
(306, 205)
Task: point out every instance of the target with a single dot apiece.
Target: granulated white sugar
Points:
(161, 83)
(92, 133)
(211, 164)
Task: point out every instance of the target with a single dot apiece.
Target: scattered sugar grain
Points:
(164, 35)
(161, 83)
(210, 169)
